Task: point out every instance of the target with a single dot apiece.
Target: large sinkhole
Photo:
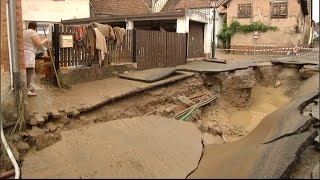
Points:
(244, 98)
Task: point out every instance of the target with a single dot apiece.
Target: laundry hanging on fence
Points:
(80, 35)
(101, 45)
(119, 33)
(90, 41)
(106, 30)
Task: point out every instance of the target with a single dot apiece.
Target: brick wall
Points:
(5, 67)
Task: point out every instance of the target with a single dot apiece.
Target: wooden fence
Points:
(149, 49)
(155, 49)
(80, 56)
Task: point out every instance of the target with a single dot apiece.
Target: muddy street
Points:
(183, 124)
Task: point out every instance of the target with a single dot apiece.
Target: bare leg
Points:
(30, 78)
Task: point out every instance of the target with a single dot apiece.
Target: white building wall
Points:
(183, 24)
(54, 10)
(205, 15)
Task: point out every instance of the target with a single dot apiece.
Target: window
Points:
(279, 9)
(244, 11)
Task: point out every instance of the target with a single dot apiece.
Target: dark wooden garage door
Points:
(196, 36)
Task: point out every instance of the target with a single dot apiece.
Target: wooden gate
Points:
(156, 49)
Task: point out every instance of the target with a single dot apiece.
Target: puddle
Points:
(264, 101)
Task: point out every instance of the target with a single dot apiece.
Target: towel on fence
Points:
(90, 41)
(119, 33)
(106, 30)
(101, 44)
(80, 34)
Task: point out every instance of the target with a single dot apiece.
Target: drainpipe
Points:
(14, 44)
(9, 48)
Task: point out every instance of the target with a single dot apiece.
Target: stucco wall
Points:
(261, 10)
(54, 11)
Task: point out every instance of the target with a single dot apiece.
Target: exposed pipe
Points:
(10, 154)
(9, 48)
(14, 44)
(15, 72)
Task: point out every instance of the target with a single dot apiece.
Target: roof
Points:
(173, 5)
(120, 7)
(193, 4)
(122, 18)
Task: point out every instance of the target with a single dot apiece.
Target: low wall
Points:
(74, 76)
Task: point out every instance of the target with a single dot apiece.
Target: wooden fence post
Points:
(134, 47)
(56, 46)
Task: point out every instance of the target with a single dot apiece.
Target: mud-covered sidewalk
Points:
(86, 96)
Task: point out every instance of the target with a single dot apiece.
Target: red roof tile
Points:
(120, 7)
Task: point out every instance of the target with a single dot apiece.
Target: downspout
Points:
(9, 48)
(14, 44)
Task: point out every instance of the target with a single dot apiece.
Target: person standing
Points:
(32, 41)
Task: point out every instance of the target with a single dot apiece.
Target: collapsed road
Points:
(135, 136)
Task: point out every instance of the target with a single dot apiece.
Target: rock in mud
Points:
(308, 70)
(212, 139)
(51, 126)
(22, 146)
(45, 140)
(35, 132)
(315, 172)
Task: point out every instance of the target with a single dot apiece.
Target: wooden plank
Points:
(60, 50)
(69, 49)
(65, 55)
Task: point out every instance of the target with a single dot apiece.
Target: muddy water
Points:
(264, 101)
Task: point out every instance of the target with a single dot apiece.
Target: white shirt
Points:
(28, 43)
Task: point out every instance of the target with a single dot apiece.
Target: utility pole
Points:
(213, 45)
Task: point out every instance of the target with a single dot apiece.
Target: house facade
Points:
(291, 17)
(194, 17)
(54, 10)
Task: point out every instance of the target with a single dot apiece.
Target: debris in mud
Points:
(315, 172)
(212, 139)
(46, 140)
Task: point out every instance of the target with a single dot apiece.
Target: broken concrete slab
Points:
(142, 147)
(211, 67)
(83, 97)
(150, 75)
(295, 61)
